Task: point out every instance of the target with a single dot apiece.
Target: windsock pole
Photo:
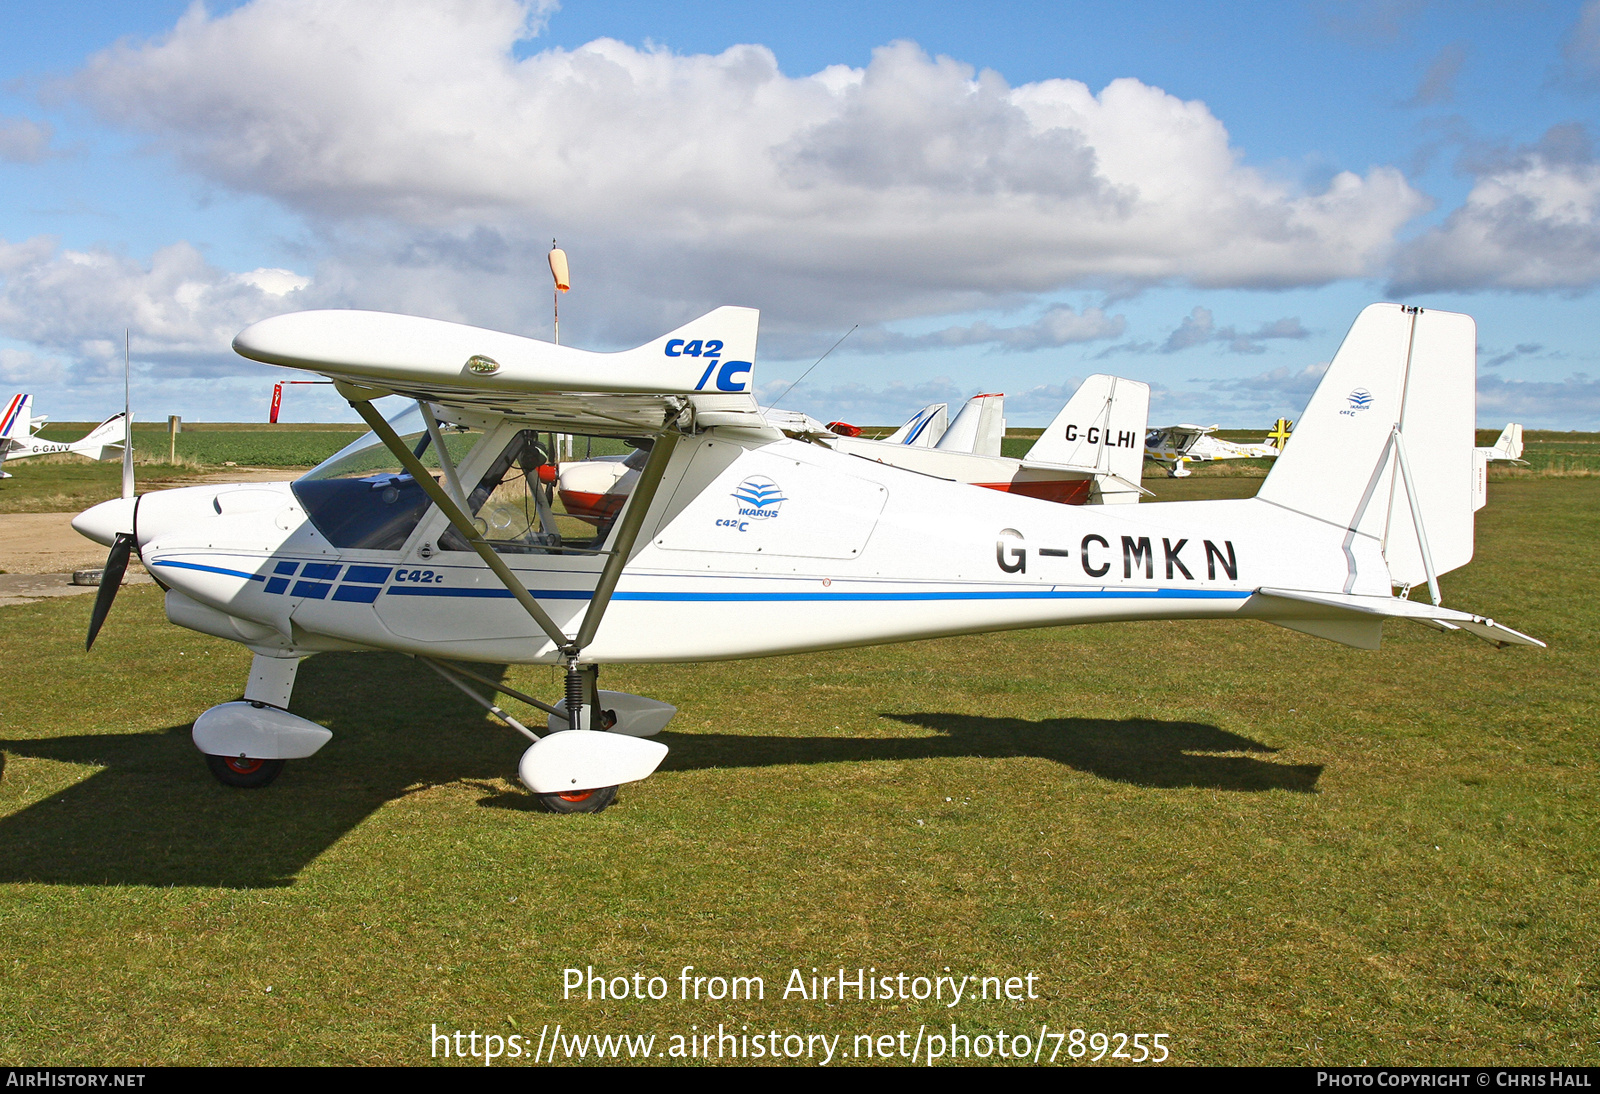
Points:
(127, 416)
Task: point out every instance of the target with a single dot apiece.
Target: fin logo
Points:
(759, 497)
(1361, 399)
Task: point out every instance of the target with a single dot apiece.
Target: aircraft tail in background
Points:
(1507, 447)
(925, 427)
(104, 441)
(1102, 427)
(15, 419)
(979, 428)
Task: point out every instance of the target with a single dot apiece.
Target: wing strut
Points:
(639, 500)
(632, 519)
(462, 524)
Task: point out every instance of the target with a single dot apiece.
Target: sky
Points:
(1006, 197)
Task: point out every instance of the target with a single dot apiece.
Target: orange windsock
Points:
(558, 268)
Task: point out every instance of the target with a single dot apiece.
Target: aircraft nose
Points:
(102, 522)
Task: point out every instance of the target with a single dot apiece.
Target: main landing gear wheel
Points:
(577, 801)
(244, 773)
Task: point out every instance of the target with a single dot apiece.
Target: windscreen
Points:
(360, 497)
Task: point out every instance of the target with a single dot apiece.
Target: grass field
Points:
(1270, 848)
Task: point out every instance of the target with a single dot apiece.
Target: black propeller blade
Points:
(110, 582)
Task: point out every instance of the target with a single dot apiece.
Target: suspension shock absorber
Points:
(574, 694)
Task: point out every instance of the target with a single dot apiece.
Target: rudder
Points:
(1403, 380)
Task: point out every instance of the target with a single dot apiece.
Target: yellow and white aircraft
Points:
(1177, 445)
(427, 536)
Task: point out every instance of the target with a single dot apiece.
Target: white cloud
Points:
(23, 369)
(1060, 325)
(1531, 223)
(913, 186)
(1200, 327)
(1563, 404)
(22, 140)
(179, 308)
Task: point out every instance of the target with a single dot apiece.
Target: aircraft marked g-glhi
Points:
(737, 541)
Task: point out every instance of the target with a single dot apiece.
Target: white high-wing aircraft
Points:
(739, 542)
(19, 440)
(1508, 446)
(1177, 445)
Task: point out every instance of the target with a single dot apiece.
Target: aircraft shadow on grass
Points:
(1141, 751)
(154, 816)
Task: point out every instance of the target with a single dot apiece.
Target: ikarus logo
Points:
(759, 497)
(1360, 399)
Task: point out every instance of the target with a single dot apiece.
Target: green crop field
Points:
(1266, 847)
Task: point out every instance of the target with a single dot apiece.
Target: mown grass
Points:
(216, 444)
(1272, 848)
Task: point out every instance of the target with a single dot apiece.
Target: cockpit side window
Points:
(509, 505)
(526, 503)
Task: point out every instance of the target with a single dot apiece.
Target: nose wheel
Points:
(244, 773)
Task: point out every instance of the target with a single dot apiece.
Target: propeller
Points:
(110, 582)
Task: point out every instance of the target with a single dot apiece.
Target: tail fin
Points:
(1509, 444)
(1279, 434)
(722, 340)
(1102, 427)
(103, 441)
(979, 428)
(925, 427)
(1385, 447)
(14, 419)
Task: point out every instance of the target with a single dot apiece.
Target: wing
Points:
(699, 375)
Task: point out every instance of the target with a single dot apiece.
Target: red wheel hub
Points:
(241, 766)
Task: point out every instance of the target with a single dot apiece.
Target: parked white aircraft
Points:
(924, 428)
(1090, 453)
(1508, 446)
(1178, 445)
(19, 436)
(739, 542)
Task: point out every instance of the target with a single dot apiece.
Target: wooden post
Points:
(174, 427)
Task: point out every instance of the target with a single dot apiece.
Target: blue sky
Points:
(1201, 196)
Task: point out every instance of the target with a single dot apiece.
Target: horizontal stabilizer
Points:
(1290, 606)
